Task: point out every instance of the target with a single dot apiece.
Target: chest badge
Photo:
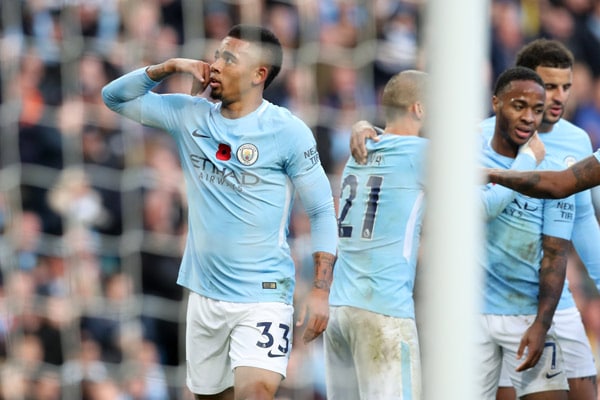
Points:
(247, 154)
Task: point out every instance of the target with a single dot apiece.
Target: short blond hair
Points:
(402, 91)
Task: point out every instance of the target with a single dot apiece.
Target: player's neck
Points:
(240, 108)
(403, 127)
(546, 127)
(504, 147)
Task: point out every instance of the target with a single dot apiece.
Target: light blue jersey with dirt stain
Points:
(379, 226)
(513, 245)
(566, 144)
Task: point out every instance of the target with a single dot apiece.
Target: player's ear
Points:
(419, 110)
(495, 104)
(260, 75)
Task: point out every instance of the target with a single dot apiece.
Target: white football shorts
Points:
(221, 336)
(371, 356)
(575, 345)
(498, 345)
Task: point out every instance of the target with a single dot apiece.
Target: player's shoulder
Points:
(574, 132)
(486, 127)
(392, 142)
(276, 112)
(282, 120)
(567, 141)
(185, 101)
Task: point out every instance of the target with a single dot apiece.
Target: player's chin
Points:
(215, 94)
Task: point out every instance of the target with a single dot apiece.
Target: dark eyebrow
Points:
(229, 54)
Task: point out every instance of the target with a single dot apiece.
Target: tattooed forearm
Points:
(552, 277)
(160, 71)
(323, 270)
(521, 182)
(580, 176)
(586, 174)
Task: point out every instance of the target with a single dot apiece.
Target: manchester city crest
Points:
(247, 154)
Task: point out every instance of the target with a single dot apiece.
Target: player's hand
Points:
(485, 173)
(199, 70)
(316, 309)
(535, 148)
(201, 77)
(361, 131)
(534, 340)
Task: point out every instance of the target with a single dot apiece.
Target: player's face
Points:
(558, 82)
(519, 109)
(232, 72)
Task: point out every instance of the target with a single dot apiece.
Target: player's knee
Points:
(258, 390)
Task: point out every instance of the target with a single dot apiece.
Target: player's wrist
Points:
(322, 284)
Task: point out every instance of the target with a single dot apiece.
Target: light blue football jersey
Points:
(379, 226)
(567, 144)
(241, 176)
(513, 245)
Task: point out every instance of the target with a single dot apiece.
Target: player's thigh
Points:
(575, 345)
(549, 395)
(208, 325)
(253, 383)
(488, 357)
(548, 375)
(340, 375)
(263, 338)
(386, 355)
(504, 380)
(583, 388)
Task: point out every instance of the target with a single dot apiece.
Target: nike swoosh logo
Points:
(196, 134)
(271, 355)
(550, 376)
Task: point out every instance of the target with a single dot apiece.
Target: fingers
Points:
(196, 87)
(315, 327)
(358, 146)
(201, 78)
(301, 317)
(531, 360)
(361, 131)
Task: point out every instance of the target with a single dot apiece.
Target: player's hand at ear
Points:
(201, 77)
(361, 131)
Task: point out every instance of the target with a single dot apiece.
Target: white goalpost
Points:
(456, 43)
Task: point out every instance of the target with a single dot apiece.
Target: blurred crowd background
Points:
(92, 206)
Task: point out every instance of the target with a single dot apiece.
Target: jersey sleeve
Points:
(303, 166)
(559, 216)
(314, 191)
(130, 95)
(123, 95)
(495, 198)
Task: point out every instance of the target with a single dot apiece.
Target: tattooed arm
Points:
(550, 184)
(315, 195)
(552, 278)
(316, 306)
